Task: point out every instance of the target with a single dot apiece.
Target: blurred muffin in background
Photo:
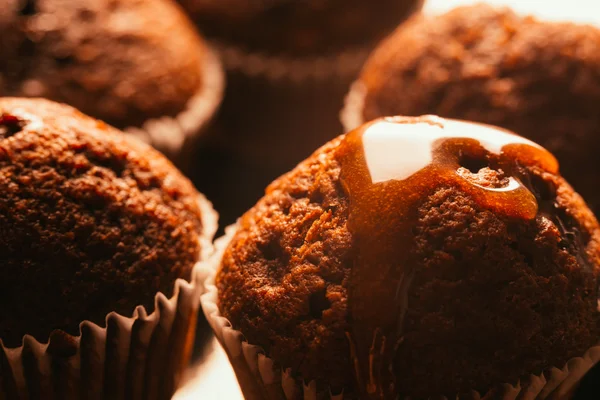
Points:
(289, 64)
(297, 28)
(93, 224)
(133, 63)
(486, 64)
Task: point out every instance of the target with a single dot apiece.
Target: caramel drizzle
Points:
(388, 168)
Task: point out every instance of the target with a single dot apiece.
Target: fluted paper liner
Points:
(297, 70)
(136, 357)
(351, 115)
(261, 377)
(173, 135)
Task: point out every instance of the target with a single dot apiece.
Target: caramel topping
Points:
(389, 168)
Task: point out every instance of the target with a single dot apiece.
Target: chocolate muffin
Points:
(298, 28)
(123, 61)
(417, 257)
(91, 221)
(486, 64)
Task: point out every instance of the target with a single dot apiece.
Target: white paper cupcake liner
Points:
(351, 115)
(260, 377)
(138, 357)
(173, 135)
(295, 70)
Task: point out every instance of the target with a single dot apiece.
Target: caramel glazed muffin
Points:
(123, 61)
(486, 64)
(486, 261)
(91, 221)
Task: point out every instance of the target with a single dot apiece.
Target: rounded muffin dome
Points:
(123, 61)
(91, 221)
(416, 257)
(486, 64)
(298, 28)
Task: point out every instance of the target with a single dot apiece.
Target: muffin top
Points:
(91, 221)
(298, 28)
(480, 63)
(406, 256)
(124, 61)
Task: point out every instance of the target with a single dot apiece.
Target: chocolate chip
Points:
(29, 7)
(9, 125)
(319, 303)
(473, 164)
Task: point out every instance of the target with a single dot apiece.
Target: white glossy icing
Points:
(396, 149)
(30, 122)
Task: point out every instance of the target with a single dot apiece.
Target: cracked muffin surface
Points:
(123, 61)
(491, 65)
(91, 221)
(493, 296)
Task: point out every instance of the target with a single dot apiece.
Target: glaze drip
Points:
(388, 168)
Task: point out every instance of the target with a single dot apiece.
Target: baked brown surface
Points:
(91, 221)
(479, 63)
(299, 28)
(123, 61)
(493, 299)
